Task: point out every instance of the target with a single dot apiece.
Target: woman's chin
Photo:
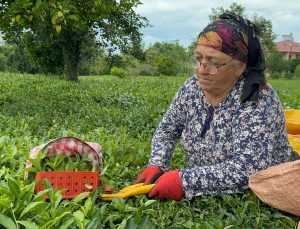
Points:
(205, 84)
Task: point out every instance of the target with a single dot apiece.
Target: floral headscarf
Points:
(226, 36)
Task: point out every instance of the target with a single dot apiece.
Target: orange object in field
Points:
(292, 119)
(72, 182)
(294, 141)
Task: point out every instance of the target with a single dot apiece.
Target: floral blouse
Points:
(240, 139)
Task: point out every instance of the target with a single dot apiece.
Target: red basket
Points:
(74, 182)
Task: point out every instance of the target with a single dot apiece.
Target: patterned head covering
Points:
(226, 36)
(237, 37)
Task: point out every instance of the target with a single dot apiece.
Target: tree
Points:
(275, 62)
(70, 21)
(89, 51)
(44, 52)
(13, 59)
(100, 66)
(168, 58)
(234, 7)
(293, 64)
(263, 24)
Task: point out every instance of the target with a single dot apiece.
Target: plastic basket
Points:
(74, 182)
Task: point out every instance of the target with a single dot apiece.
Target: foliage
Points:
(165, 65)
(287, 91)
(121, 115)
(297, 72)
(267, 35)
(100, 66)
(276, 63)
(3, 62)
(293, 64)
(146, 69)
(275, 75)
(128, 63)
(119, 72)
(289, 75)
(234, 7)
(263, 24)
(132, 65)
(44, 52)
(69, 21)
(13, 59)
(161, 58)
(168, 58)
(61, 162)
(89, 50)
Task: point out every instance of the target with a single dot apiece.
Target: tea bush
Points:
(122, 117)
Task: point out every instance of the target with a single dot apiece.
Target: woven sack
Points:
(278, 186)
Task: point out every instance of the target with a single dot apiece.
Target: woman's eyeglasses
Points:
(212, 68)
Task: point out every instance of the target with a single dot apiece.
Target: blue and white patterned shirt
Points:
(240, 140)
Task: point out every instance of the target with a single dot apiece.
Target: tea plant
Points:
(121, 115)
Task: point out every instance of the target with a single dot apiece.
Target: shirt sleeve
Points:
(168, 132)
(254, 140)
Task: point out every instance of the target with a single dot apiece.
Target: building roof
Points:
(288, 46)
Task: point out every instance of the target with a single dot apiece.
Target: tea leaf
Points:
(14, 187)
(28, 224)
(79, 216)
(7, 222)
(29, 208)
(36, 163)
(103, 171)
(88, 206)
(4, 203)
(42, 193)
(63, 215)
(149, 202)
(80, 197)
(67, 224)
(31, 169)
(131, 224)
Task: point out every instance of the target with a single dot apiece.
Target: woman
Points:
(230, 121)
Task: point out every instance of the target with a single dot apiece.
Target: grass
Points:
(288, 91)
(121, 115)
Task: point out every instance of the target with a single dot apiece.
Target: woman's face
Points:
(217, 72)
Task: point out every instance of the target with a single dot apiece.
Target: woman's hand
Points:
(149, 175)
(168, 187)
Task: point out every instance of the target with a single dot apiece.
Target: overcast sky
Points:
(183, 19)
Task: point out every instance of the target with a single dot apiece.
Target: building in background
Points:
(289, 48)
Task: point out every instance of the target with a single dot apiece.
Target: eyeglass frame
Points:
(217, 66)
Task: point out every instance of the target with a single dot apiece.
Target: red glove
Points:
(149, 175)
(168, 186)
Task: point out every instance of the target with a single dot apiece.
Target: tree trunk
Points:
(72, 41)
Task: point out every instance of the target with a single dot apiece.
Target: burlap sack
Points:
(279, 186)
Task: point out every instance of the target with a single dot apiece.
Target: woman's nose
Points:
(201, 69)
